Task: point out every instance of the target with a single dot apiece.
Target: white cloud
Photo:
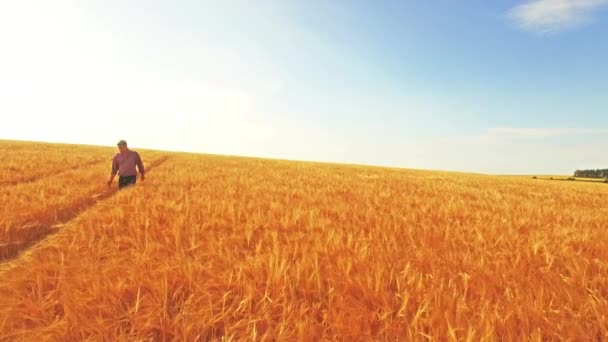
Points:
(550, 16)
(67, 75)
(505, 150)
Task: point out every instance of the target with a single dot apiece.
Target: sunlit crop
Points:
(213, 247)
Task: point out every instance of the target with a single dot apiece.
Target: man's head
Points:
(122, 146)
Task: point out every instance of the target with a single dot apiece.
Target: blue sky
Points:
(481, 86)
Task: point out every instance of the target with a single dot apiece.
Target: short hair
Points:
(122, 142)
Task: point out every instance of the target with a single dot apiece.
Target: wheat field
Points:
(227, 248)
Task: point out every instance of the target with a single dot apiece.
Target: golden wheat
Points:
(212, 247)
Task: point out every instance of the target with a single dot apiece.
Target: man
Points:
(124, 164)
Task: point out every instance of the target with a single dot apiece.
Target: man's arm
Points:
(140, 167)
(114, 171)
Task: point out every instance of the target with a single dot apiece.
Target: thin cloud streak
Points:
(551, 16)
(525, 132)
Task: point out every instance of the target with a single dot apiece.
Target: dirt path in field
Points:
(34, 178)
(40, 230)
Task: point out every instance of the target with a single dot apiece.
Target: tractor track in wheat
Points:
(35, 232)
(37, 177)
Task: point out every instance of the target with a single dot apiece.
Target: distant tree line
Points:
(598, 173)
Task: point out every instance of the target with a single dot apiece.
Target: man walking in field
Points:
(124, 164)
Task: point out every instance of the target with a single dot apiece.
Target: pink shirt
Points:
(125, 164)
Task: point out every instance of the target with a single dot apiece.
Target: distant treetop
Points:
(597, 173)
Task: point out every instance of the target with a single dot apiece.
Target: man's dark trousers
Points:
(124, 181)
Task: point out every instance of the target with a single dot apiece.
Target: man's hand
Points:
(143, 177)
(110, 180)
